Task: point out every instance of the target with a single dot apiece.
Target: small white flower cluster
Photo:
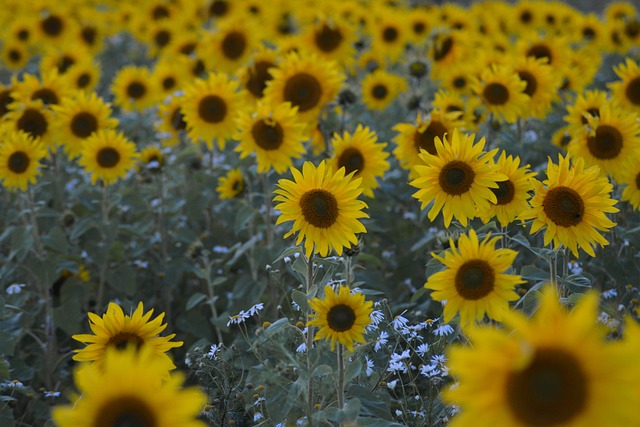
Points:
(400, 362)
(213, 352)
(240, 318)
(608, 321)
(574, 267)
(50, 393)
(437, 369)
(610, 293)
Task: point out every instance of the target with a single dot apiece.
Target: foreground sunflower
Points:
(360, 152)
(20, 158)
(458, 180)
(323, 206)
(117, 330)
(131, 388)
(341, 317)
(108, 155)
(231, 185)
(556, 369)
(572, 204)
(474, 282)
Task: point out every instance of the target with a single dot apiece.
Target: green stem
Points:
(105, 203)
(340, 376)
(40, 253)
(211, 301)
(267, 202)
(553, 271)
(309, 344)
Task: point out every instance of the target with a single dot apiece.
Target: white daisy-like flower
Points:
(383, 338)
(369, 369)
(422, 349)
(443, 330)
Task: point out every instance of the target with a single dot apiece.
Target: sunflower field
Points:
(319, 213)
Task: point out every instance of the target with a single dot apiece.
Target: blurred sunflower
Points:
(229, 47)
(49, 91)
(360, 152)
(231, 185)
(53, 26)
(579, 73)
(474, 283)
(458, 180)
(627, 91)
(167, 77)
(419, 20)
(555, 369)
(458, 77)
(611, 140)
(84, 75)
(108, 155)
(446, 49)
(210, 107)
(561, 138)
(33, 118)
(158, 35)
(15, 56)
(151, 159)
(586, 105)
(502, 92)
(131, 388)
(619, 11)
(171, 122)
(6, 98)
(512, 195)
(553, 49)
(380, 88)
(306, 82)
(341, 317)
(132, 89)
(332, 39)
(20, 157)
(572, 204)
(255, 76)
(323, 206)
(63, 58)
(21, 30)
(389, 33)
(541, 86)
(274, 134)
(79, 117)
(590, 31)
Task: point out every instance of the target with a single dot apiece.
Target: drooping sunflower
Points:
(151, 159)
(541, 86)
(131, 388)
(332, 39)
(585, 105)
(556, 369)
(231, 185)
(627, 90)
(611, 140)
(255, 76)
(323, 206)
(360, 152)
(118, 330)
(210, 107)
(380, 88)
(458, 180)
(572, 204)
(341, 317)
(274, 134)
(512, 195)
(446, 49)
(502, 92)
(78, 117)
(474, 283)
(306, 82)
(108, 155)
(132, 89)
(20, 157)
(229, 47)
(33, 118)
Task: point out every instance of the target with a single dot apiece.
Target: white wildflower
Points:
(443, 330)
(15, 288)
(213, 352)
(370, 366)
(382, 340)
(422, 349)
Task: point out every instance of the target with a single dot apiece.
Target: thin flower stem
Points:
(161, 218)
(489, 131)
(105, 203)
(309, 343)
(212, 301)
(340, 376)
(348, 268)
(553, 271)
(267, 202)
(40, 253)
(519, 129)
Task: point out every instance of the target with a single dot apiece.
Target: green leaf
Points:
(4, 370)
(371, 404)
(300, 298)
(271, 330)
(82, 226)
(578, 280)
(290, 252)
(56, 239)
(531, 272)
(21, 243)
(322, 371)
(122, 279)
(353, 370)
(195, 299)
(350, 411)
(370, 259)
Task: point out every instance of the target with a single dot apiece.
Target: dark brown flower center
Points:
(390, 34)
(456, 178)
(237, 186)
(234, 45)
(530, 80)
(268, 134)
(64, 63)
(563, 206)
(198, 68)
(588, 33)
(136, 90)
(550, 391)
(505, 192)
(159, 12)
(258, 78)
(169, 83)
(177, 120)
(47, 96)
(33, 122)
(125, 411)
(426, 139)
(352, 160)
(52, 25)
(212, 109)
(162, 38)
(187, 48)
(341, 317)
(442, 48)
(419, 28)
(638, 181)
(108, 157)
(460, 82)
(319, 208)
(89, 34)
(606, 143)
(475, 279)
(303, 90)
(15, 55)
(593, 112)
(18, 162)
(540, 51)
(496, 94)
(633, 91)
(84, 124)
(379, 91)
(566, 139)
(218, 8)
(632, 29)
(328, 39)
(526, 17)
(83, 80)
(23, 34)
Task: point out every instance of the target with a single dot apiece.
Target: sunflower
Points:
(421, 135)
(171, 123)
(229, 47)
(255, 76)
(579, 73)
(61, 59)
(49, 91)
(231, 185)
(627, 91)
(33, 118)
(274, 134)
(380, 88)
(502, 92)
(306, 82)
(586, 105)
(167, 77)
(590, 31)
(619, 11)
(420, 21)
(151, 159)
(131, 388)
(551, 48)
(332, 40)
(157, 36)
(512, 195)
(15, 56)
(555, 369)
(117, 330)
(108, 155)
(53, 27)
(446, 49)
(458, 180)
(631, 192)
(611, 140)
(360, 153)
(541, 85)
(84, 75)
(371, 60)
(323, 206)
(132, 89)
(210, 107)
(20, 158)
(79, 117)
(459, 77)
(561, 138)
(21, 30)
(389, 33)
(474, 282)
(572, 204)
(341, 317)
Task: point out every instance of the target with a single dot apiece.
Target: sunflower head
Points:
(231, 185)
(108, 155)
(20, 157)
(341, 317)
